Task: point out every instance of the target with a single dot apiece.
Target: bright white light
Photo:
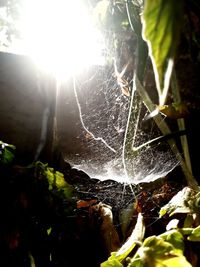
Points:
(59, 36)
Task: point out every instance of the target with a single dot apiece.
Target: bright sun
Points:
(59, 36)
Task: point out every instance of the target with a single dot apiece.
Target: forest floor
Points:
(62, 219)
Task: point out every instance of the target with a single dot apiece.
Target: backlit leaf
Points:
(176, 239)
(111, 263)
(179, 261)
(185, 201)
(136, 236)
(161, 26)
(57, 183)
(157, 252)
(6, 153)
(195, 235)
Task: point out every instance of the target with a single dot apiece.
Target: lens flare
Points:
(59, 36)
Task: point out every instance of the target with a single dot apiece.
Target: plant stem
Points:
(181, 122)
(165, 130)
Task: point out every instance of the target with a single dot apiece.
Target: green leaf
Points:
(185, 201)
(179, 261)
(195, 235)
(32, 261)
(49, 231)
(111, 263)
(175, 238)
(161, 27)
(156, 246)
(136, 262)
(136, 236)
(6, 153)
(57, 183)
(160, 253)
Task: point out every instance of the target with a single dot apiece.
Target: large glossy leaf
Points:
(161, 26)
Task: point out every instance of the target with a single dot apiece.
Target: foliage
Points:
(160, 24)
(156, 251)
(157, 25)
(186, 201)
(160, 27)
(6, 153)
(47, 210)
(37, 212)
(164, 250)
(168, 248)
(161, 31)
(137, 235)
(56, 181)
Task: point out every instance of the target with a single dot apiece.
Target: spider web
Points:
(103, 115)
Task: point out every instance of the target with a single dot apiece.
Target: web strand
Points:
(83, 124)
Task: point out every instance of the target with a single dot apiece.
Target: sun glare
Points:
(59, 36)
